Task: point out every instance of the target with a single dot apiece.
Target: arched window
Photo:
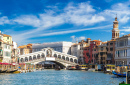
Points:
(22, 60)
(63, 57)
(43, 55)
(34, 57)
(38, 56)
(75, 60)
(49, 53)
(26, 59)
(55, 55)
(30, 58)
(59, 56)
(67, 58)
(71, 59)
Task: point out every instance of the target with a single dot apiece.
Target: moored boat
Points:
(3, 71)
(119, 74)
(83, 67)
(11, 71)
(71, 68)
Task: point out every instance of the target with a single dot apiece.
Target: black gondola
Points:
(3, 71)
(11, 71)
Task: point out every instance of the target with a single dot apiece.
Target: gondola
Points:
(11, 71)
(3, 71)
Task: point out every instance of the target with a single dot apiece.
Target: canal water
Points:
(62, 77)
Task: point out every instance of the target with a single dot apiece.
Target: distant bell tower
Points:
(115, 30)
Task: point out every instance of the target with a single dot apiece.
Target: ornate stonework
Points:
(115, 30)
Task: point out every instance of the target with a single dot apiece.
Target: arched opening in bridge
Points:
(71, 60)
(59, 56)
(43, 55)
(75, 60)
(67, 58)
(38, 56)
(22, 60)
(30, 58)
(34, 57)
(55, 55)
(63, 57)
(49, 53)
(26, 58)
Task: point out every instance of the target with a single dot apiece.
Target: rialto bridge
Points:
(48, 54)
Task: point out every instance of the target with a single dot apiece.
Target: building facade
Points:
(122, 53)
(91, 53)
(5, 49)
(25, 49)
(102, 53)
(64, 47)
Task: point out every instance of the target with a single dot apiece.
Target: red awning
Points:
(4, 63)
(21, 63)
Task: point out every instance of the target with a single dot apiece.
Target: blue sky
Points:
(39, 21)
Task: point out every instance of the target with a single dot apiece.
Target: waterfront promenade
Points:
(62, 77)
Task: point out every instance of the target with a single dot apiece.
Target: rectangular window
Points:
(8, 38)
(121, 43)
(111, 49)
(111, 43)
(126, 52)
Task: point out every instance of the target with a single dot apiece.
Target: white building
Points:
(64, 47)
(5, 48)
(122, 50)
(75, 50)
(78, 48)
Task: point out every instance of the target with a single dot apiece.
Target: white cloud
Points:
(121, 9)
(81, 38)
(126, 29)
(4, 20)
(82, 14)
(76, 14)
(74, 38)
(122, 33)
(73, 31)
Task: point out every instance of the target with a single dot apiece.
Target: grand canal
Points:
(62, 77)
